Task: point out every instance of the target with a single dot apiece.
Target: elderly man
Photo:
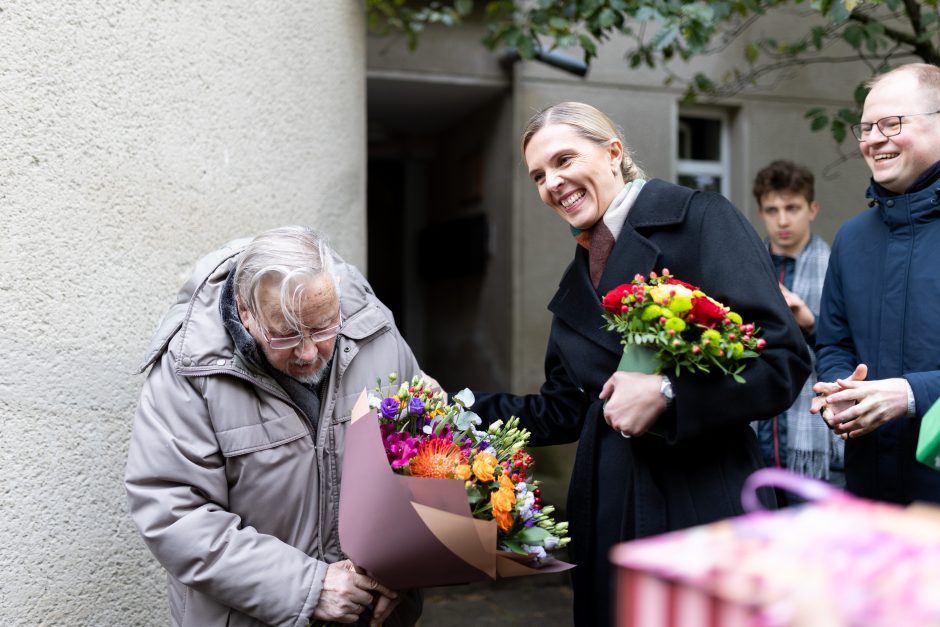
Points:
(233, 470)
(878, 331)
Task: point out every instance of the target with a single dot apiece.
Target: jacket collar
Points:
(900, 210)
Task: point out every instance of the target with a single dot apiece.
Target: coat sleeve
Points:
(731, 264)
(178, 497)
(553, 416)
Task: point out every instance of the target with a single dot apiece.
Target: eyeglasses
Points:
(292, 341)
(889, 126)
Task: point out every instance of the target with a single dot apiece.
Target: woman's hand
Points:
(634, 402)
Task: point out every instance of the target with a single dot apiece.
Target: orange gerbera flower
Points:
(437, 458)
(483, 466)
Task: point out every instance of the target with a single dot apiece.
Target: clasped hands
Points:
(854, 407)
(348, 591)
(634, 402)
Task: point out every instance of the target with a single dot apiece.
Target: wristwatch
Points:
(665, 388)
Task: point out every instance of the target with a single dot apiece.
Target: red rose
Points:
(689, 286)
(613, 301)
(706, 312)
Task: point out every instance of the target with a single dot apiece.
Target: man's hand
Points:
(804, 317)
(346, 593)
(870, 404)
(828, 409)
(384, 607)
(435, 386)
(633, 402)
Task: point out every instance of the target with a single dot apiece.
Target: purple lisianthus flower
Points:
(416, 406)
(389, 407)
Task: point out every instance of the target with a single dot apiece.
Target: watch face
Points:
(666, 388)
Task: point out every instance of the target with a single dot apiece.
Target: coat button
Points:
(890, 203)
(219, 362)
(187, 361)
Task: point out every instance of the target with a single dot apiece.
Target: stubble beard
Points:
(316, 377)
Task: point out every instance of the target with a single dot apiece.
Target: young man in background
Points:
(786, 203)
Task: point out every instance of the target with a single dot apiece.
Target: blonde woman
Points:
(627, 483)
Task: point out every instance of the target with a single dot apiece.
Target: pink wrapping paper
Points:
(412, 532)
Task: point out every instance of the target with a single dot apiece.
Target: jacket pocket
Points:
(260, 436)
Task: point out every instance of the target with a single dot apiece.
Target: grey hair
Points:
(290, 255)
(589, 122)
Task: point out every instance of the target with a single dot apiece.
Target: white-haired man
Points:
(233, 470)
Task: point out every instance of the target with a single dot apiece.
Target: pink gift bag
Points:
(834, 561)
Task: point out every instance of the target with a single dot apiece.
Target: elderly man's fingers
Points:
(365, 582)
(384, 607)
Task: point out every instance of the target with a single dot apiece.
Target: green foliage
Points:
(384, 16)
(879, 33)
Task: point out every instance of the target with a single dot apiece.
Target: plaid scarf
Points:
(811, 446)
(599, 240)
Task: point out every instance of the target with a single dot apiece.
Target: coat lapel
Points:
(577, 303)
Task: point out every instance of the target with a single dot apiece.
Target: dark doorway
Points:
(386, 193)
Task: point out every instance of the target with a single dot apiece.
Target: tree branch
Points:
(922, 48)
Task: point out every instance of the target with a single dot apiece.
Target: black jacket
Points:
(629, 488)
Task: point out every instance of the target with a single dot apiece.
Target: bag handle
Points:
(808, 489)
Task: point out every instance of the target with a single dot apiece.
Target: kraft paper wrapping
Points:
(412, 532)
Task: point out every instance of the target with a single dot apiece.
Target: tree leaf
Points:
(819, 122)
(814, 112)
(463, 7)
(665, 37)
(838, 131)
(854, 34)
(818, 34)
(751, 53)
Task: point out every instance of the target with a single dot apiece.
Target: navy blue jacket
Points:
(880, 307)
(629, 488)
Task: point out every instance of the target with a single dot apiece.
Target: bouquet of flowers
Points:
(428, 498)
(425, 436)
(685, 328)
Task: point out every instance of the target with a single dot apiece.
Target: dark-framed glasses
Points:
(284, 342)
(889, 126)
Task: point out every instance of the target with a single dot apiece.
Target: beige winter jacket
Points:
(232, 489)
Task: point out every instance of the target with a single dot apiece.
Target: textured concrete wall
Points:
(134, 136)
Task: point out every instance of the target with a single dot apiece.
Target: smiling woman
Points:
(576, 177)
(625, 488)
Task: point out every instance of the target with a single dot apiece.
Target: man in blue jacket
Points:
(878, 334)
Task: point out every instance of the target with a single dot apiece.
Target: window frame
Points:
(695, 167)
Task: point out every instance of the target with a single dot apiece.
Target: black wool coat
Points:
(623, 489)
